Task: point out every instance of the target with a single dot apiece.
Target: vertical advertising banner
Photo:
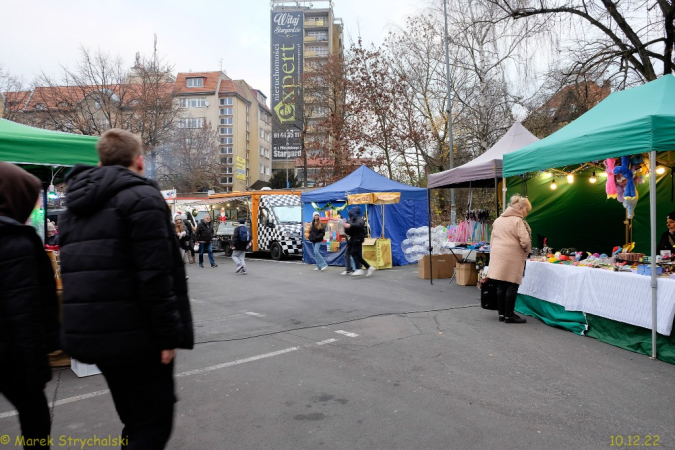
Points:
(286, 89)
(241, 168)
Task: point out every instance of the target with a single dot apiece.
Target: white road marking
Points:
(255, 314)
(182, 374)
(347, 333)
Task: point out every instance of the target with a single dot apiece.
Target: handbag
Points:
(196, 247)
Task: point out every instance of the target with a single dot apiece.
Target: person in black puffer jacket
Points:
(126, 307)
(205, 239)
(355, 227)
(28, 305)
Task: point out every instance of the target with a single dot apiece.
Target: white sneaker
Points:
(345, 273)
(357, 273)
(371, 269)
(316, 268)
(324, 268)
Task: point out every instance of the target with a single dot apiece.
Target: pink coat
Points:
(510, 244)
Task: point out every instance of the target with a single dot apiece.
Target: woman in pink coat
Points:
(510, 246)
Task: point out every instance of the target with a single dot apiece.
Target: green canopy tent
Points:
(41, 152)
(637, 120)
(28, 146)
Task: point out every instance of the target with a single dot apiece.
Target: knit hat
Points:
(51, 227)
(316, 213)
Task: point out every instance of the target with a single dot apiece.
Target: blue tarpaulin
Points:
(412, 211)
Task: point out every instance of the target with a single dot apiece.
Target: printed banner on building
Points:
(240, 168)
(286, 88)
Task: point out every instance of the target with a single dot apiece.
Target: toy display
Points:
(622, 180)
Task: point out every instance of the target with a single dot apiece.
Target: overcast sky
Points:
(39, 35)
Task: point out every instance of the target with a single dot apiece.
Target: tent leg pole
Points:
(45, 208)
(503, 195)
(497, 196)
(431, 272)
(652, 219)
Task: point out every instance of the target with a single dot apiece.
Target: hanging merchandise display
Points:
(623, 178)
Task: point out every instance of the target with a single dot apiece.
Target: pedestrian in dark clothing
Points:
(355, 227)
(205, 238)
(28, 306)
(126, 306)
(241, 240)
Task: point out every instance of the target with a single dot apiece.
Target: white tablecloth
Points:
(621, 296)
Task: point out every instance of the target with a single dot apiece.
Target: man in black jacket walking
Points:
(205, 239)
(126, 307)
(28, 307)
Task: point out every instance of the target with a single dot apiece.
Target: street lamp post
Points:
(453, 207)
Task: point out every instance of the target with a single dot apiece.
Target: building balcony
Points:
(317, 24)
(313, 54)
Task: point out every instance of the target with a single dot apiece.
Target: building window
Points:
(320, 35)
(195, 82)
(262, 169)
(225, 130)
(320, 50)
(226, 150)
(226, 180)
(267, 153)
(191, 122)
(226, 170)
(262, 151)
(226, 160)
(226, 121)
(226, 140)
(226, 101)
(193, 103)
(225, 111)
(262, 134)
(267, 170)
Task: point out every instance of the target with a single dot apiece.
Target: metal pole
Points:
(431, 272)
(453, 207)
(652, 220)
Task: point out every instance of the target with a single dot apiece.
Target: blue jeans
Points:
(209, 249)
(320, 262)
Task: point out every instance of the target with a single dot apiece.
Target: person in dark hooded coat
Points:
(355, 227)
(126, 307)
(28, 306)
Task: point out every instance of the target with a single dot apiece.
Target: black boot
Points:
(514, 318)
(510, 304)
(501, 299)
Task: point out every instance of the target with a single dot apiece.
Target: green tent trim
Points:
(551, 314)
(619, 334)
(630, 337)
(637, 120)
(24, 145)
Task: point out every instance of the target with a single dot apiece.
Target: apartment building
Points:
(303, 34)
(241, 117)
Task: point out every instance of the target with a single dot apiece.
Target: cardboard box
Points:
(442, 265)
(467, 275)
(377, 252)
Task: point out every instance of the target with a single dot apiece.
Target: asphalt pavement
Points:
(292, 358)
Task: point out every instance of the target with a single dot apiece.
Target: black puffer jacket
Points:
(204, 231)
(357, 230)
(28, 306)
(316, 235)
(125, 294)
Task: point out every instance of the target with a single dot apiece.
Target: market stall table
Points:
(585, 295)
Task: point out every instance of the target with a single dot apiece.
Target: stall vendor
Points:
(667, 241)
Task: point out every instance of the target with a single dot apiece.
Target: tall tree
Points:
(14, 93)
(189, 160)
(630, 41)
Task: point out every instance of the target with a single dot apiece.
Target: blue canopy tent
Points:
(411, 211)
